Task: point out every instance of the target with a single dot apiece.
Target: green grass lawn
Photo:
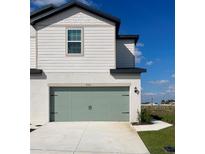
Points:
(165, 113)
(168, 118)
(155, 141)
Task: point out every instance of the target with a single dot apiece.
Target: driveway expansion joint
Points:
(81, 137)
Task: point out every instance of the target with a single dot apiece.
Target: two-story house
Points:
(82, 69)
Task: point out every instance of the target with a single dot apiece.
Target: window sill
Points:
(74, 55)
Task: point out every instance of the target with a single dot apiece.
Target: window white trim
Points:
(82, 39)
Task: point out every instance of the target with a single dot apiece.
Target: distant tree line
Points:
(167, 101)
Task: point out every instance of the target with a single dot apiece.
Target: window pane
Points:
(74, 47)
(70, 34)
(78, 35)
(74, 35)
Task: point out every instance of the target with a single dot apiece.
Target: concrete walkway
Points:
(157, 125)
(86, 138)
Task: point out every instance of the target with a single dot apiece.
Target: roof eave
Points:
(34, 71)
(135, 70)
(128, 37)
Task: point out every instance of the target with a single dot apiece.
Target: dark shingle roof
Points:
(132, 37)
(34, 71)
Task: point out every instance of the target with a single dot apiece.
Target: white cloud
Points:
(173, 75)
(149, 94)
(159, 81)
(162, 93)
(46, 2)
(167, 93)
(138, 53)
(138, 56)
(154, 93)
(60, 2)
(149, 63)
(88, 2)
(171, 89)
(140, 44)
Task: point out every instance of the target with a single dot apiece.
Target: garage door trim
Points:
(124, 112)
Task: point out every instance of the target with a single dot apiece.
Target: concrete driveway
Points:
(86, 138)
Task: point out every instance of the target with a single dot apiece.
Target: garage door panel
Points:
(80, 102)
(120, 105)
(61, 106)
(122, 114)
(90, 104)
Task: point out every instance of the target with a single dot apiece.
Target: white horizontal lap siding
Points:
(81, 17)
(74, 16)
(32, 47)
(125, 53)
(98, 45)
(32, 53)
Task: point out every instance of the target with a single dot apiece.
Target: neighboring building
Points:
(149, 104)
(169, 102)
(81, 68)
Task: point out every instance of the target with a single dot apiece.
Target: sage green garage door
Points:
(89, 104)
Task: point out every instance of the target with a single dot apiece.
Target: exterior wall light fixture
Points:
(137, 91)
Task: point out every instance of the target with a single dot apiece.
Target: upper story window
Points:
(74, 41)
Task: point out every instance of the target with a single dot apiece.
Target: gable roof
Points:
(49, 11)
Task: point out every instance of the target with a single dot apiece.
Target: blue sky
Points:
(154, 21)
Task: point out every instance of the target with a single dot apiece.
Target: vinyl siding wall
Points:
(32, 47)
(125, 53)
(98, 43)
